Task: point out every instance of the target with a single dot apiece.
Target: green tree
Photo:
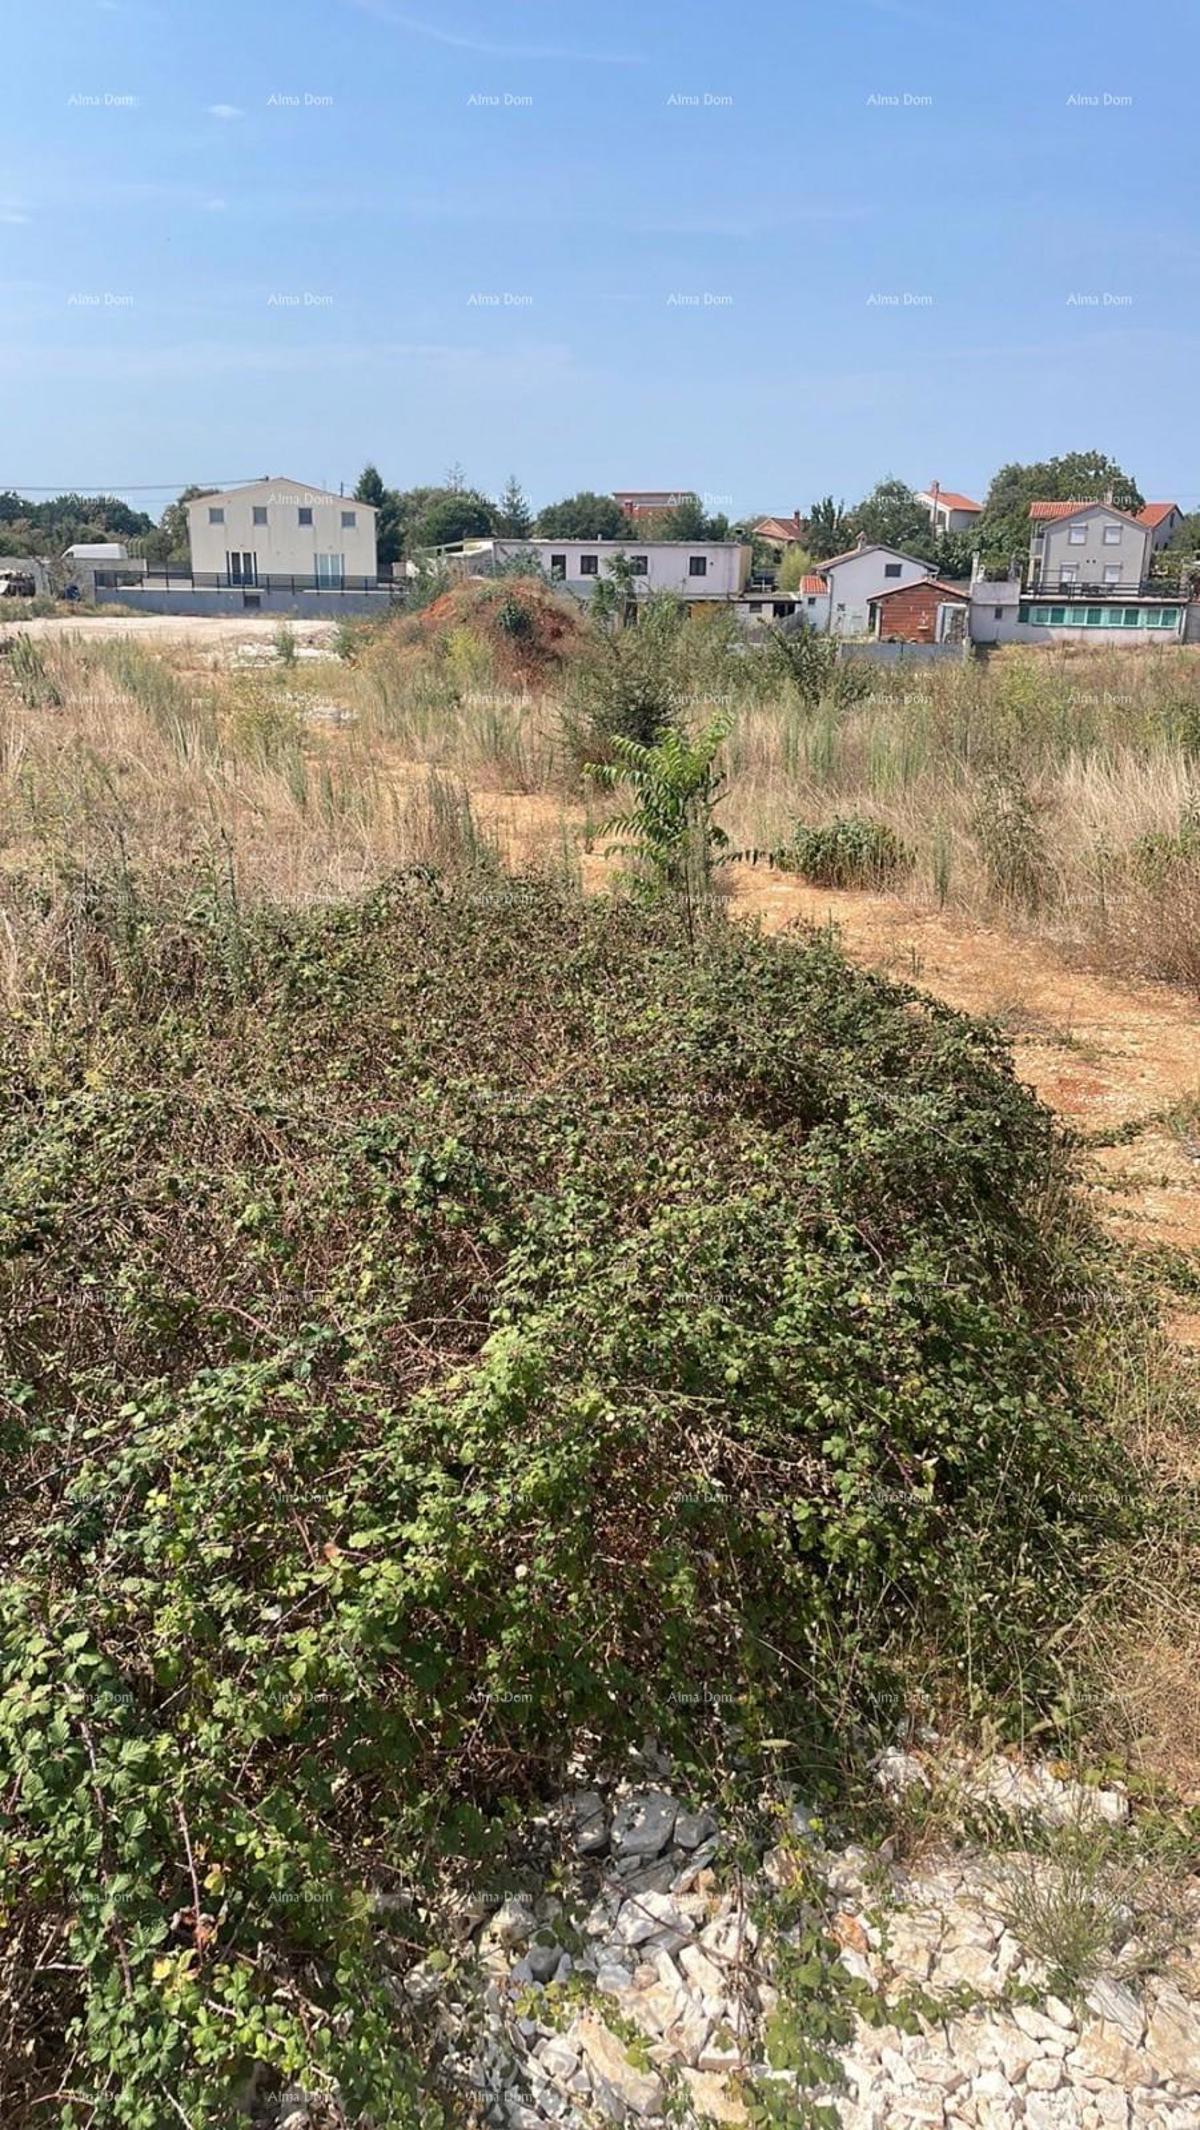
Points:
(450, 514)
(828, 530)
(1185, 540)
(369, 487)
(586, 516)
(389, 537)
(513, 515)
(614, 601)
(1083, 476)
(668, 827)
(169, 541)
(892, 516)
(797, 563)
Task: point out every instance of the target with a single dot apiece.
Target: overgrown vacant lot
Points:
(453, 1330)
(1058, 794)
(453, 1327)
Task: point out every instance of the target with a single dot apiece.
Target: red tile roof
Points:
(1152, 514)
(778, 529)
(813, 584)
(923, 584)
(952, 500)
(1067, 510)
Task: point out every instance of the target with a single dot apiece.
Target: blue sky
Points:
(763, 254)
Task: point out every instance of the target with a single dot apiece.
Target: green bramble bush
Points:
(439, 1331)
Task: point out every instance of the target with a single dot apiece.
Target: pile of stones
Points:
(636, 1987)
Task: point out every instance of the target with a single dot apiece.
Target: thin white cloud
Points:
(530, 369)
(459, 41)
(13, 217)
(225, 111)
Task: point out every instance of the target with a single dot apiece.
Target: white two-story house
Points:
(282, 530)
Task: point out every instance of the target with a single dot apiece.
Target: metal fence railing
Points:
(170, 580)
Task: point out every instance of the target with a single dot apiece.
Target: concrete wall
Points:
(1126, 549)
(282, 547)
(310, 606)
(907, 654)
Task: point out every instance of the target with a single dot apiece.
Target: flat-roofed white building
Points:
(276, 528)
(690, 569)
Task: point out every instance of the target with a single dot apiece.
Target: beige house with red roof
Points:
(1164, 520)
(780, 532)
(948, 510)
(1093, 545)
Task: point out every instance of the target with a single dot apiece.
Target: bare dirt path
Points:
(1117, 1060)
(211, 631)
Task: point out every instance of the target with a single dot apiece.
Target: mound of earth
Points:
(531, 631)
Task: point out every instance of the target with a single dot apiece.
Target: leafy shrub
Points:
(632, 686)
(26, 666)
(811, 665)
(846, 852)
(1158, 857)
(1008, 831)
(455, 1329)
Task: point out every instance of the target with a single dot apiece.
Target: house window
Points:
(997, 613)
(756, 606)
(305, 516)
(639, 565)
(697, 565)
(891, 569)
(1095, 615)
(589, 565)
(1058, 615)
(349, 520)
(1112, 573)
(330, 570)
(558, 569)
(1068, 573)
(1077, 535)
(216, 517)
(1112, 536)
(260, 513)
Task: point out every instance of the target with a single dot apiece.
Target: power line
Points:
(128, 488)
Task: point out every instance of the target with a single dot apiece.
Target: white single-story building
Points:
(690, 569)
(280, 529)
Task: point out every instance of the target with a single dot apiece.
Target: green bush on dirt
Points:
(442, 1331)
(846, 852)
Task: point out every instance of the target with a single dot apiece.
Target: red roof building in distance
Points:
(1041, 511)
(1162, 518)
(949, 511)
(781, 532)
(812, 585)
(650, 502)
